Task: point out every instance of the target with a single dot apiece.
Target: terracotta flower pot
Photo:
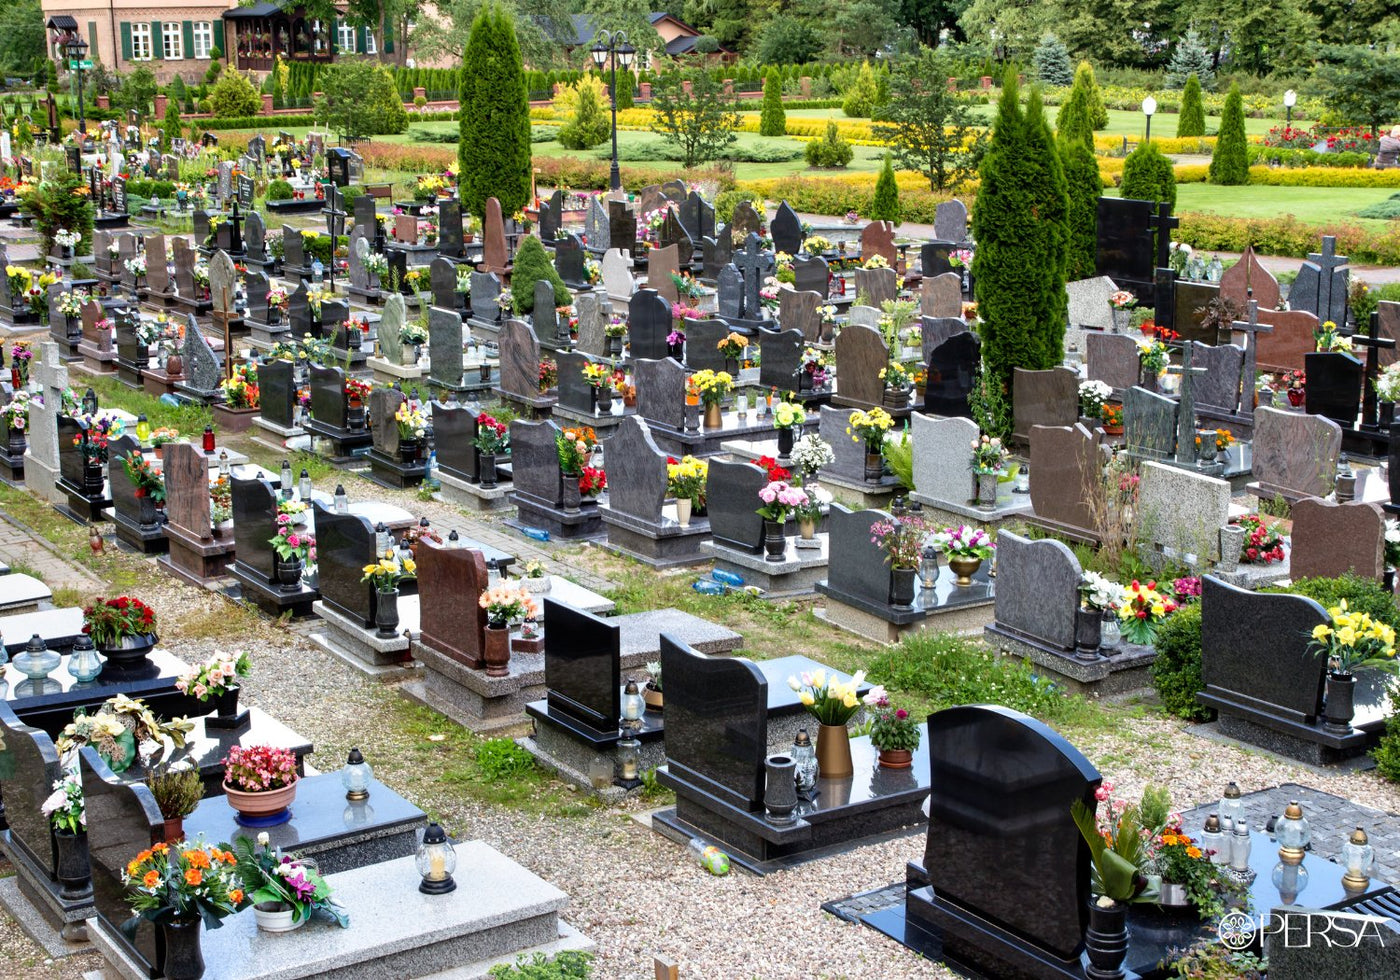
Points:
(264, 809)
(896, 758)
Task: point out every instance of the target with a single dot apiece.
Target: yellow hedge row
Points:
(1197, 173)
(908, 181)
(1185, 144)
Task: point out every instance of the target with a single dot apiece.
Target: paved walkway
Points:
(21, 549)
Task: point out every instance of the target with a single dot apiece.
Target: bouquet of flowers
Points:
(549, 374)
(144, 477)
(413, 333)
(870, 427)
(506, 604)
(1152, 355)
(70, 303)
(119, 725)
(410, 420)
(1092, 396)
(1178, 859)
(259, 768)
(809, 454)
(216, 675)
(241, 389)
(15, 413)
(817, 363)
(492, 435)
(137, 265)
(1186, 590)
(901, 539)
(712, 386)
(876, 262)
(829, 699)
(1354, 641)
(675, 338)
(1097, 592)
(1294, 380)
(779, 500)
(1223, 439)
(386, 573)
(188, 880)
(988, 455)
(960, 258)
(1328, 338)
(64, 807)
(1142, 611)
(1112, 415)
(686, 478)
(592, 481)
(1122, 300)
(268, 875)
(818, 497)
(592, 271)
(897, 376)
(1387, 383)
(1263, 545)
(732, 347)
(376, 264)
(685, 285)
(357, 390)
(816, 245)
(109, 621)
(596, 375)
(789, 415)
(289, 544)
(574, 446)
(1116, 840)
(893, 729)
(964, 542)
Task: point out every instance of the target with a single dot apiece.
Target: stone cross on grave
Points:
(1373, 343)
(1251, 328)
(1186, 411)
(752, 262)
(223, 281)
(1329, 262)
(1164, 223)
(41, 466)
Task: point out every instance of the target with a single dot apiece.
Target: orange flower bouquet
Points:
(183, 883)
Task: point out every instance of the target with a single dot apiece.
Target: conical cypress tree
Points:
(1083, 185)
(624, 90)
(1084, 79)
(773, 122)
(1020, 224)
(494, 152)
(1148, 176)
(886, 204)
(1073, 124)
(172, 125)
(1192, 120)
(1230, 162)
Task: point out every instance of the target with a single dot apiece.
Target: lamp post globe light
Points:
(1290, 99)
(1149, 109)
(611, 48)
(77, 50)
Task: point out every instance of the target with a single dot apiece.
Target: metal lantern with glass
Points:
(1358, 856)
(355, 776)
(1290, 99)
(634, 706)
(1293, 833)
(436, 860)
(804, 753)
(611, 47)
(629, 762)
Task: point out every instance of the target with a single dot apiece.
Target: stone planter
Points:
(184, 960)
(572, 496)
(987, 491)
(386, 613)
(780, 789)
(234, 419)
(902, 581)
(603, 398)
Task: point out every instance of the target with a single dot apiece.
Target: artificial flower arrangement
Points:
(70, 303)
(964, 542)
(357, 390)
(686, 478)
(960, 258)
(897, 376)
(1186, 589)
(712, 386)
(819, 364)
(136, 265)
(549, 374)
(145, 479)
(675, 338)
(290, 544)
(686, 285)
(388, 571)
(892, 729)
(1387, 383)
(596, 375)
(269, 876)
(869, 427)
(776, 473)
(1152, 355)
(733, 345)
(780, 499)
(64, 238)
(1292, 381)
(574, 446)
(413, 332)
(592, 481)
(988, 455)
(1097, 592)
(241, 388)
(492, 435)
(816, 245)
(215, 676)
(1329, 338)
(876, 262)
(1262, 545)
(64, 806)
(829, 699)
(118, 726)
(412, 423)
(1143, 610)
(15, 413)
(615, 327)
(1093, 395)
(1354, 641)
(220, 500)
(109, 621)
(1117, 848)
(189, 881)
(506, 604)
(1223, 439)
(1122, 300)
(901, 539)
(789, 415)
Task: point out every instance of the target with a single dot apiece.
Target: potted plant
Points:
(599, 377)
(177, 792)
(893, 731)
(492, 438)
(260, 782)
(1116, 847)
(119, 725)
(1112, 419)
(655, 700)
(385, 575)
(1387, 385)
(217, 680)
(1351, 642)
(988, 458)
(122, 629)
(574, 447)
(285, 890)
(967, 548)
(242, 399)
(732, 348)
(809, 514)
(869, 428)
(788, 419)
(833, 703)
(1262, 544)
(1093, 395)
(68, 818)
(902, 539)
(148, 487)
(221, 505)
(176, 887)
(411, 336)
(685, 481)
(504, 605)
(1143, 610)
(292, 551)
(712, 387)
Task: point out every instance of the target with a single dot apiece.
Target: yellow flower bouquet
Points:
(712, 386)
(829, 699)
(1354, 641)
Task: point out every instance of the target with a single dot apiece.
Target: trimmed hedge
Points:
(1287, 236)
(1176, 673)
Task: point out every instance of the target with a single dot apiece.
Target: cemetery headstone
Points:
(1330, 540)
(730, 492)
(1295, 455)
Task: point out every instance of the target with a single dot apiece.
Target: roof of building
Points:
(257, 11)
(586, 28)
(61, 22)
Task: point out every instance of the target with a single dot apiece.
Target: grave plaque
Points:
(1334, 386)
(731, 489)
(952, 375)
(1294, 454)
(1067, 463)
(1330, 540)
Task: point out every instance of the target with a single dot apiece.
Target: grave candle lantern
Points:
(629, 762)
(1215, 843)
(1231, 807)
(633, 706)
(436, 860)
(1294, 833)
(1358, 855)
(355, 776)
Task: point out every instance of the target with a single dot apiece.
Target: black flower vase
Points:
(1106, 941)
(902, 587)
(386, 613)
(289, 574)
(486, 470)
(604, 398)
(785, 441)
(1341, 703)
(74, 867)
(184, 960)
(780, 790)
(774, 543)
(1088, 633)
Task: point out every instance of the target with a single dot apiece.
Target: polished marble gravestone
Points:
(349, 606)
(583, 674)
(1294, 455)
(702, 340)
(952, 374)
(636, 471)
(538, 492)
(197, 554)
(254, 570)
(1043, 398)
(486, 298)
(1329, 540)
(731, 501)
(1217, 393)
(717, 730)
(999, 830)
(780, 359)
(811, 274)
(1066, 466)
(786, 229)
(139, 523)
(649, 322)
(331, 417)
(520, 368)
(445, 338)
(878, 285)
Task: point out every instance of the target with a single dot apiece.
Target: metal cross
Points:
(1165, 223)
(1374, 343)
(1251, 328)
(1186, 410)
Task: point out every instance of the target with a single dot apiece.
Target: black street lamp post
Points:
(77, 50)
(612, 47)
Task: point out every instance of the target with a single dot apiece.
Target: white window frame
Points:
(371, 43)
(141, 35)
(203, 39)
(345, 38)
(172, 41)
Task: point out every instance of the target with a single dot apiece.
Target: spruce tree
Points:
(1148, 176)
(1020, 225)
(885, 207)
(493, 155)
(1051, 61)
(1192, 120)
(1084, 79)
(1190, 58)
(1230, 162)
(773, 122)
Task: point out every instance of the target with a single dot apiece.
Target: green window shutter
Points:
(187, 29)
(359, 40)
(219, 36)
(157, 42)
(92, 38)
(388, 38)
(126, 40)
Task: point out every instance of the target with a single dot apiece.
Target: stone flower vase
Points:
(184, 960)
(780, 792)
(572, 497)
(683, 509)
(486, 470)
(386, 613)
(288, 573)
(1106, 941)
(74, 865)
(1122, 320)
(902, 582)
(874, 467)
(1387, 415)
(1088, 633)
(774, 543)
(129, 651)
(786, 437)
(604, 398)
(834, 752)
(987, 491)
(1340, 706)
(496, 650)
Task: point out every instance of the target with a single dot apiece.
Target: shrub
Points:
(1148, 176)
(1083, 186)
(773, 121)
(589, 124)
(571, 964)
(1362, 595)
(1190, 60)
(57, 203)
(830, 151)
(531, 265)
(1051, 61)
(280, 190)
(500, 758)
(1192, 119)
(494, 152)
(1176, 672)
(624, 90)
(1387, 753)
(885, 206)
(864, 91)
(1084, 79)
(1230, 162)
(234, 95)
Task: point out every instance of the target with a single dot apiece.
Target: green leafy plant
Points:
(1176, 672)
(493, 155)
(177, 791)
(1148, 176)
(501, 758)
(830, 151)
(1115, 842)
(568, 965)
(885, 206)
(532, 264)
(1192, 119)
(773, 121)
(1387, 753)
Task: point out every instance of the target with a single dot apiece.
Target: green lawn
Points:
(1311, 204)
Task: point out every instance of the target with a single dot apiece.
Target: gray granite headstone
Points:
(879, 285)
(535, 461)
(660, 392)
(862, 573)
(1149, 423)
(1219, 388)
(157, 266)
(544, 315)
(568, 259)
(1043, 398)
(395, 313)
(941, 296)
(810, 273)
(223, 282)
(1321, 286)
(293, 252)
(1088, 302)
(702, 345)
(202, 371)
(575, 393)
(277, 390)
(1037, 589)
(450, 242)
(1182, 510)
(780, 359)
(591, 323)
(730, 286)
(716, 252)
(255, 238)
(636, 471)
(454, 432)
(486, 296)
(359, 253)
(950, 222)
(622, 228)
(442, 277)
(1113, 359)
(1067, 463)
(445, 338)
(860, 356)
(595, 225)
(731, 500)
(786, 229)
(744, 220)
(384, 431)
(943, 457)
(848, 453)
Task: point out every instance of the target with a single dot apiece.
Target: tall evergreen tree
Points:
(1192, 120)
(885, 207)
(1051, 61)
(1148, 176)
(493, 155)
(1084, 79)
(624, 90)
(773, 121)
(1083, 185)
(1074, 123)
(1190, 58)
(1020, 228)
(171, 130)
(1229, 164)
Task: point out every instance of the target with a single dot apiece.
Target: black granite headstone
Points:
(454, 435)
(660, 392)
(952, 374)
(786, 229)
(1334, 386)
(254, 523)
(327, 396)
(277, 389)
(702, 339)
(862, 572)
(583, 667)
(575, 394)
(731, 500)
(568, 259)
(780, 359)
(535, 461)
(648, 324)
(345, 543)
